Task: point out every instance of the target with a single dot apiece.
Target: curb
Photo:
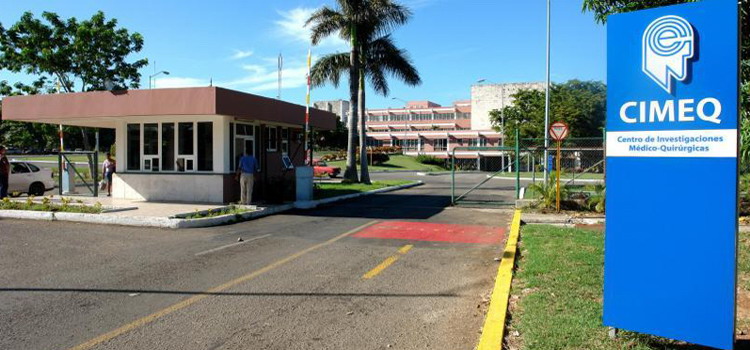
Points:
(494, 323)
(561, 219)
(177, 223)
(315, 203)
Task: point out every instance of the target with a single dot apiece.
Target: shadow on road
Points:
(384, 207)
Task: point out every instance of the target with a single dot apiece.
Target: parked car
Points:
(29, 178)
(320, 168)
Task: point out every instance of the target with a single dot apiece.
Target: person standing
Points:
(246, 172)
(108, 168)
(4, 173)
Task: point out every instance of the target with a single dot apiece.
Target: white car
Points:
(29, 178)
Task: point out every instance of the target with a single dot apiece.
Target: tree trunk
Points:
(351, 160)
(364, 176)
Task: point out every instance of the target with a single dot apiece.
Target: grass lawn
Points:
(327, 190)
(557, 294)
(53, 158)
(397, 162)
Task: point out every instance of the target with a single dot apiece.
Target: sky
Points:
(453, 43)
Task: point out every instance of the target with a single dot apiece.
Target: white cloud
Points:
(264, 77)
(292, 26)
(179, 82)
(238, 54)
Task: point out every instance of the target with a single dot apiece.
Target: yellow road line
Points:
(387, 262)
(192, 300)
(494, 323)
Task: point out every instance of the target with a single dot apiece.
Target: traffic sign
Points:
(559, 131)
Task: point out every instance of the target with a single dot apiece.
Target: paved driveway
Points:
(392, 271)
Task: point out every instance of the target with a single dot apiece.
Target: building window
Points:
(134, 146)
(151, 139)
(244, 130)
(285, 141)
(410, 145)
(272, 139)
(185, 139)
(206, 151)
(167, 146)
(243, 141)
(441, 145)
(185, 147)
(480, 142)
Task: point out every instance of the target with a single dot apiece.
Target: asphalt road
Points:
(373, 273)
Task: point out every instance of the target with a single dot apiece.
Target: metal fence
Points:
(581, 159)
(581, 163)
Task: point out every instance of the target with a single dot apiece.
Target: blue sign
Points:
(671, 232)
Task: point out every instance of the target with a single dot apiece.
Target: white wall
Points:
(193, 188)
(486, 97)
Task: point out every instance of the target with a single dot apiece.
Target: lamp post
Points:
(406, 120)
(546, 101)
(152, 81)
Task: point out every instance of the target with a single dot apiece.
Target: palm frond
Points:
(329, 68)
(325, 22)
(392, 60)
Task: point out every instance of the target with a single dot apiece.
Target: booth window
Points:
(167, 146)
(206, 151)
(134, 146)
(272, 139)
(150, 139)
(285, 140)
(185, 146)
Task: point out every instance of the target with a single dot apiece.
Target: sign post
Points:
(672, 172)
(558, 131)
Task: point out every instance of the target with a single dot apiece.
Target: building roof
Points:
(105, 108)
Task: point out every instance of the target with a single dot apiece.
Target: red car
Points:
(320, 168)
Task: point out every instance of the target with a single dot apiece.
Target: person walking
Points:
(247, 169)
(4, 173)
(108, 168)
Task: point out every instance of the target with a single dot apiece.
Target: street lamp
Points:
(406, 120)
(152, 81)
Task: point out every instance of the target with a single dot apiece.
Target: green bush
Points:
(548, 192)
(378, 158)
(430, 160)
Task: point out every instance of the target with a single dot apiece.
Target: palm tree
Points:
(382, 58)
(361, 22)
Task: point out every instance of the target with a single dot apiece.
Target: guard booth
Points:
(183, 145)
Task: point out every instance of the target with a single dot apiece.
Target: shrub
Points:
(595, 202)
(378, 158)
(548, 192)
(431, 160)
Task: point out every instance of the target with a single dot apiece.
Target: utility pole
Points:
(546, 101)
(281, 66)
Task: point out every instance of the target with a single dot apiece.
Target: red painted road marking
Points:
(433, 232)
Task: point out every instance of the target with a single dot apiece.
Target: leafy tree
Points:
(90, 54)
(581, 104)
(373, 55)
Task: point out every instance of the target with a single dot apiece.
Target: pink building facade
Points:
(424, 127)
